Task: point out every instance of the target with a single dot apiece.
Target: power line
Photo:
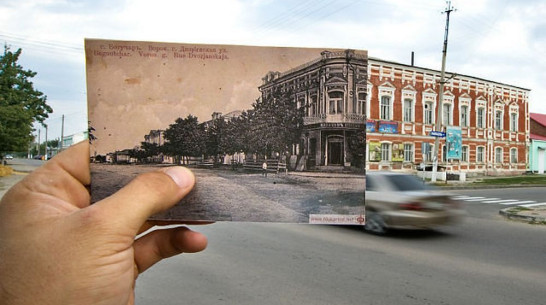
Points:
(41, 44)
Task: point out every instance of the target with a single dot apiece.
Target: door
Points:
(335, 151)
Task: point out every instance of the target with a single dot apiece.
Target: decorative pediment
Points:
(429, 91)
(465, 96)
(387, 85)
(409, 92)
(336, 80)
(409, 88)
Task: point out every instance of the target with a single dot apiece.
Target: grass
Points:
(519, 209)
(522, 180)
(5, 171)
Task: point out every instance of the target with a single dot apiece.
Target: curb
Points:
(506, 213)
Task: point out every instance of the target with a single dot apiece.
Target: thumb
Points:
(146, 195)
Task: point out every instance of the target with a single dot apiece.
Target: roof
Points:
(537, 137)
(376, 59)
(539, 118)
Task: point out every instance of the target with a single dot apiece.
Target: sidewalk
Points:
(7, 182)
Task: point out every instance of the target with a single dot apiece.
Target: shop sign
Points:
(388, 127)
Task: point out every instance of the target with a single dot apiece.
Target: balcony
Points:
(335, 118)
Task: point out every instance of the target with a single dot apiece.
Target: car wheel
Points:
(375, 223)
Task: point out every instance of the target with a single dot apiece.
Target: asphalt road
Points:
(485, 260)
(486, 203)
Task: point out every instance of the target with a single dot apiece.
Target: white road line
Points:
(504, 201)
(482, 199)
(509, 202)
(533, 205)
(522, 202)
(471, 198)
(460, 197)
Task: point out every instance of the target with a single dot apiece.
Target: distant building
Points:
(537, 151)
(74, 138)
(157, 137)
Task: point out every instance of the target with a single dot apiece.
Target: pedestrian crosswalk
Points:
(515, 202)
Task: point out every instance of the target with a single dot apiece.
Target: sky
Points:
(498, 40)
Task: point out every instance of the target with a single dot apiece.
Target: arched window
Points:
(498, 155)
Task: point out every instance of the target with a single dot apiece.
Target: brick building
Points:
(492, 118)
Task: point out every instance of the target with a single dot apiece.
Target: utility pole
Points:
(45, 155)
(440, 105)
(62, 133)
(38, 148)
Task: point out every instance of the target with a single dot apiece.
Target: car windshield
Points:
(407, 183)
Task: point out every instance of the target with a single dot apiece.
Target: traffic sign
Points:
(440, 134)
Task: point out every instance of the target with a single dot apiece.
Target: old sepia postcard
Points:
(272, 134)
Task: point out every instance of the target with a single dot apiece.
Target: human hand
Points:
(56, 248)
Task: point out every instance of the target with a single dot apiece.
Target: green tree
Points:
(20, 104)
(185, 138)
(149, 150)
(215, 134)
(277, 123)
(357, 148)
(52, 145)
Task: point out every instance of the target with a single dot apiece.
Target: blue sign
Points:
(440, 134)
(388, 127)
(454, 142)
(371, 126)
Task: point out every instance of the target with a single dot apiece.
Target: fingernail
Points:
(183, 177)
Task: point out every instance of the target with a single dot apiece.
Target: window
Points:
(498, 155)
(361, 107)
(336, 102)
(498, 119)
(385, 151)
(313, 106)
(479, 154)
(513, 121)
(464, 154)
(408, 110)
(446, 115)
(464, 116)
(385, 108)
(513, 155)
(429, 113)
(408, 152)
(481, 118)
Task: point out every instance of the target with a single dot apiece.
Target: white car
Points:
(402, 201)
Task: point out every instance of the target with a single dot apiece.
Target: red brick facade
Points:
(493, 119)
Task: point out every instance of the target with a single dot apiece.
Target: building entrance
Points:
(335, 150)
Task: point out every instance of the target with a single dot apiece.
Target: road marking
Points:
(482, 199)
(522, 202)
(525, 203)
(506, 202)
(533, 205)
(460, 197)
(472, 198)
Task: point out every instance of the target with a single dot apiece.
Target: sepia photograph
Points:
(272, 134)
